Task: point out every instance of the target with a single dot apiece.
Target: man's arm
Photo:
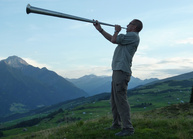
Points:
(107, 35)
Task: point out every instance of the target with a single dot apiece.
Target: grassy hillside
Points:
(160, 94)
(172, 122)
(158, 111)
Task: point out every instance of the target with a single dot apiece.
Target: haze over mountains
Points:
(93, 84)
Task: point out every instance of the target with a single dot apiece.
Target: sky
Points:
(74, 49)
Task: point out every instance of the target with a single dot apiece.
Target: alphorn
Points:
(31, 9)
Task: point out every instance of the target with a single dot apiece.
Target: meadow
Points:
(172, 122)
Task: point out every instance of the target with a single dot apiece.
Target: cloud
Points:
(85, 70)
(185, 41)
(35, 63)
(155, 68)
(2, 58)
(143, 68)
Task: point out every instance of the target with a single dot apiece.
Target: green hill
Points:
(172, 122)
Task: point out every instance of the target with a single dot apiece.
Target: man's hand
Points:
(117, 28)
(104, 33)
(97, 26)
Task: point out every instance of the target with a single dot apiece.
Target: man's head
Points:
(135, 26)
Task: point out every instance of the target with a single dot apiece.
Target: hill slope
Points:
(157, 124)
(185, 76)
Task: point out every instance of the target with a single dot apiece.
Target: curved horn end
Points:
(28, 9)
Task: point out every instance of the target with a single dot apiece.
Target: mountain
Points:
(184, 76)
(93, 84)
(24, 87)
(149, 96)
(16, 62)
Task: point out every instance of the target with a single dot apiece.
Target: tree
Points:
(191, 97)
(1, 134)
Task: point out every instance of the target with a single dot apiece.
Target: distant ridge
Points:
(184, 76)
(93, 84)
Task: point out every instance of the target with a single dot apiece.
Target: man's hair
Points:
(139, 25)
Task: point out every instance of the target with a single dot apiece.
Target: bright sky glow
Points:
(74, 49)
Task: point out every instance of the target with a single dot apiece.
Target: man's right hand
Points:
(117, 28)
(97, 25)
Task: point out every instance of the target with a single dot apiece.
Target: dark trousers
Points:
(119, 101)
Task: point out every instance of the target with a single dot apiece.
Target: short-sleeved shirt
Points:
(124, 52)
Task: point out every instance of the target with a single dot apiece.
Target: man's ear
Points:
(135, 27)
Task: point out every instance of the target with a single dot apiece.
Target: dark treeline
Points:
(33, 121)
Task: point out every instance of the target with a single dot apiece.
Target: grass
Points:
(172, 122)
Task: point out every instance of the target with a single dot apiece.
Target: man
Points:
(121, 66)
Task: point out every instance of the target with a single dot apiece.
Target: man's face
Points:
(131, 26)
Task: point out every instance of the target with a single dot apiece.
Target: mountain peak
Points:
(16, 61)
(89, 76)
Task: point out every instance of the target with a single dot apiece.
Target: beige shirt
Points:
(124, 52)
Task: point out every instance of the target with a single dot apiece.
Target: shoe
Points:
(125, 132)
(113, 128)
